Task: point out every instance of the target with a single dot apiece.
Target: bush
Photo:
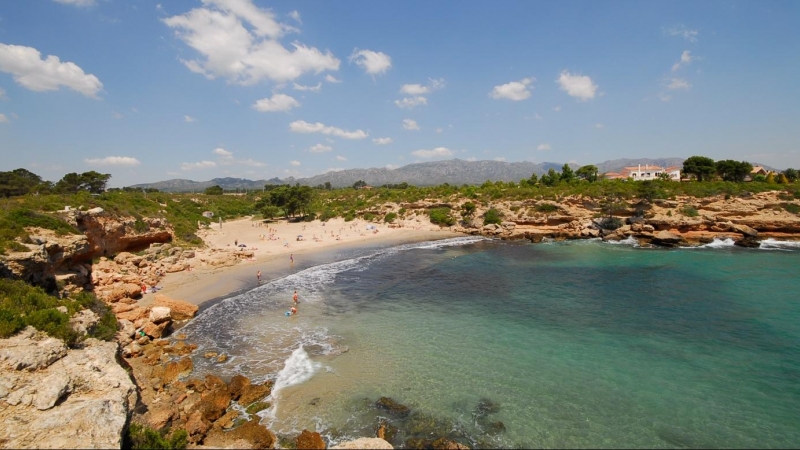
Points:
(689, 211)
(350, 216)
(310, 217)
(792, 208)
(327, 215)
(389, 218)
(142, 437)
(492, 216)
(10, 323)
(611, 223)
(546, 208)
(441, 217)
(369, 217)
(53, 322)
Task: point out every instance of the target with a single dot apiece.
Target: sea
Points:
(499, 344)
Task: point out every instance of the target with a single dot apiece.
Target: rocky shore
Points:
(57, 397)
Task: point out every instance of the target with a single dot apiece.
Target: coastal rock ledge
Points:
(52, 397)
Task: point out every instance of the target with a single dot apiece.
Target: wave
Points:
(630, 240)
(773, 244)
(719, 243)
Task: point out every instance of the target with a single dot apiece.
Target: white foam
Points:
(768, 244)
(297, 369)
(719, 243)
(630, 240)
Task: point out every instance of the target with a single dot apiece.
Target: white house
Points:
(648, 172)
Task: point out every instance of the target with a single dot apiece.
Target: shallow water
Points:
(581, 344)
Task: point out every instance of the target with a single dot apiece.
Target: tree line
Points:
(21, 182)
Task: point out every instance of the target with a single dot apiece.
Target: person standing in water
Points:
(291, 258)
(258, 276)
(293, 310)
(294, 297)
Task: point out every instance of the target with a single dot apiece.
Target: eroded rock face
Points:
(365, 443)
(78, 398)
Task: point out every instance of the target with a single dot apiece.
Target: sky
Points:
(151, 90)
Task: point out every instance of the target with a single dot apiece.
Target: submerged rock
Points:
(392, 406)
(364, 443)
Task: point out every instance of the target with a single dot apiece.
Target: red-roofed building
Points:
(646, 172)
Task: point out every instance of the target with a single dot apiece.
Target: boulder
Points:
(83, 321)
(392, 406)
(744, 229)
(180, 310)
(160, 314)
(667, 239)
(51, 390)
(252, 393)
(154, 330)
(176, 369)
(310, 440)
(30, 350)
(364, 443)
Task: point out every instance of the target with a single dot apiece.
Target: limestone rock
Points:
(83, 321)
(392, 406)
(364, 443)
(666, 238)
(744, 229)
(92, 416)
(255, 392)
(180, 310)
(310, 440)
(159, 314)
(155, 331)
(30, 350)
(177, 368)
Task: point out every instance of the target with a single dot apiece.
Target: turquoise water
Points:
(577, 344)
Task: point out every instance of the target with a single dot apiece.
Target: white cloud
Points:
(295, 163)
(250, 162)
(382, 141)
(278, 102)
(3, 118)
(544, 147)
(515, 90)
(332, 79)
(296, 16)
(678, 83)
(682, 31)
(333, 169)
(159, 7)
(79, 3)
(300, 87)
(340, 158)
(49, 74)
(418, 89)
(117, 115)
(320, 148)
(439, 129)
(237, 41)
(374, 63)
(599, 126)
(189, 119)
(686, 59)
(557, 108)
(222, 153)
(438, 152)
(3, 94)
(411, 102)
(410, 124)
(198, 165)
(578, 86)
(664, 98)
(537, 116)
(113, 161)
(301, 126)
(391, 166)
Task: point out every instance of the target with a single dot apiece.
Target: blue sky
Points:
(150, 90)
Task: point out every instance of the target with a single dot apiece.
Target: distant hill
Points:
(453, 171)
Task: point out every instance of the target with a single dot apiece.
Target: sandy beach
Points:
(280, 248)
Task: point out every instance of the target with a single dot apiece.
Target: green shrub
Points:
(142, 437)
(53, 322)
(389, 218)
(10, 323)
(327, 215)
(140, 227)
(792, 208)
(546, 208)
(349, 216)
(492, 216)
(441, 217)
(402, 212)
(611, 223)
(310, 217)
(369, 217)
(689, 211)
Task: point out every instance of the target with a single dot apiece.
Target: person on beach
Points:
(291, 258)
(293, 310)
(294, 297)
(258, 276)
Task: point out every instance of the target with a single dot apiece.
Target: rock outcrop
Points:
(52, 397)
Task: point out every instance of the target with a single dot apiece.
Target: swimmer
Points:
(294, 297)
(258, 276)
(293, 310)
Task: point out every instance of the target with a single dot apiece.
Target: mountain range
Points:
(453, 171)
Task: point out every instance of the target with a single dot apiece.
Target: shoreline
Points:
(204, 285)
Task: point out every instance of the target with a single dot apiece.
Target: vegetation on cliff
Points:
(22, 304)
